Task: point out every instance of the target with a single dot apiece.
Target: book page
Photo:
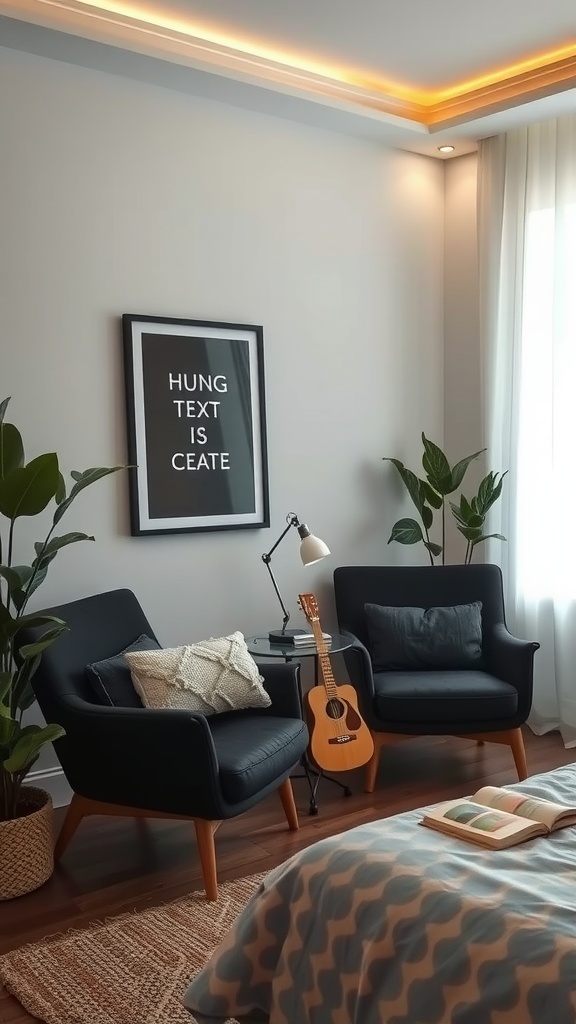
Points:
(524, 806)
(487, 825)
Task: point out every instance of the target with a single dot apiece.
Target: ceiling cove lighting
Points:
(141, 26)
(153, 17)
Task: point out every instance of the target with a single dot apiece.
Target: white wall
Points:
(463, 432)
(118, 196)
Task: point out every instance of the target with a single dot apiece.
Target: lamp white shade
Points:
(312, 549)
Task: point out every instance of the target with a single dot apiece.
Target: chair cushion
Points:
(214, 675)
(424, 638)
(253, 751)
(111, 680)
(443, 697)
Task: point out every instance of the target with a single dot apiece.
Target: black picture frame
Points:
(196, 425)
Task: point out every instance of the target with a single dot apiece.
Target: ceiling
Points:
(412, 73)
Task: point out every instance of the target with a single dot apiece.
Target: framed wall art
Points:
(196, 425)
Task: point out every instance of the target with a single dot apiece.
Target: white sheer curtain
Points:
(527, 244)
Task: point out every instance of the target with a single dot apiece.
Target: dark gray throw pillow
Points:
(425, 638)
(111, 678)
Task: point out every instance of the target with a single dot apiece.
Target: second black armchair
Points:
(142, 762)
(488, 700)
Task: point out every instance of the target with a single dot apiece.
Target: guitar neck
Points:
(324, 658)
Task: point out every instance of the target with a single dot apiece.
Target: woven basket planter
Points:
(27, 845)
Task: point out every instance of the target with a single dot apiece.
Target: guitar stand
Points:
(309, 772)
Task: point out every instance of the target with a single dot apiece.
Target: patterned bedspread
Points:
(391, 923)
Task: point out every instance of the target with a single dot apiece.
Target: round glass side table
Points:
(260, 647)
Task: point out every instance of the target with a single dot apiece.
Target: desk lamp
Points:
(312, 549)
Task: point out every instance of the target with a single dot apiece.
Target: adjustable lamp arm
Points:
(292, 520)
(312, 549)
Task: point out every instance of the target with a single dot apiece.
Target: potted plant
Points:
(27, 489)
(429, 496)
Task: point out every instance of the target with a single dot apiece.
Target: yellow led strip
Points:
(547, 72)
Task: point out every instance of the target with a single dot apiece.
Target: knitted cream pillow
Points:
(210, 676)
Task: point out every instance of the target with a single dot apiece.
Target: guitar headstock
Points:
(309, 606)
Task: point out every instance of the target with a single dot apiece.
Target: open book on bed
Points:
(498, 818)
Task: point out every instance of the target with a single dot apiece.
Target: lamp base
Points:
(284, 638)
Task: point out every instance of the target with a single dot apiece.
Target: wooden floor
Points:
(118, 865)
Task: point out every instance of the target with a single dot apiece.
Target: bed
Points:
(392, 923)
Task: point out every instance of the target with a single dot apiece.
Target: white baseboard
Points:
(54, 782)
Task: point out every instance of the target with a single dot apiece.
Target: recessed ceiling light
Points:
(446, 149)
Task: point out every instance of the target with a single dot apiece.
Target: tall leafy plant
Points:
(429, 495)
(27, 489)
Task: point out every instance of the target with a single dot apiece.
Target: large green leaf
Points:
(434, 549)
(45, 553)
(46, 640)
(465, 513)
(21, 684)
(11, 449)
(3, 407)
(406, 531)
(6, 620)
(26, 698)
(471, 533)
(60, 491)
(461, 511)
(40, 572)
(471, 518)
(489, 491)
(410, 481)
(32, 621)
(56, 543)
(436, 466)
(432, 496)
(27, 491)
(28, 746)
(5, 684)
(460, 468)
(487, 536)
(427, 517)
(8, 728)
(16, 576)
(82, 480)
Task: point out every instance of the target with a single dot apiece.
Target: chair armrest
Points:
(282, 684)
(509, 658)
(512, 660)
(159, 759)
(359, 667)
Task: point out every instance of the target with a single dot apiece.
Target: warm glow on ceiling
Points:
(345, 76)
(543, 60)
(250, 49)
(139, 26)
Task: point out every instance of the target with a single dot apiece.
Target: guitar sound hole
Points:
(335, 708)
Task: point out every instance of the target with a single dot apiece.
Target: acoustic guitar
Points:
(340, 739)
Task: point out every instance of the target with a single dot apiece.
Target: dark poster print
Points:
(196, 425)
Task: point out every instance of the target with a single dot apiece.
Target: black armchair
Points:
(140, 762)
(490, 702)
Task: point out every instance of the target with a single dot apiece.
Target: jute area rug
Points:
(133, 969)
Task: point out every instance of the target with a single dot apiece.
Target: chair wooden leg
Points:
(512, 738)
(381, 739)
(287, 797)
(518, 752)
(207, 850)
(77, 809)
(372, 767)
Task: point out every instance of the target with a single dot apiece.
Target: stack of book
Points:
(308, 640)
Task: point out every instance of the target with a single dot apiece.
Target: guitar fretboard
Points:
(324, 658)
